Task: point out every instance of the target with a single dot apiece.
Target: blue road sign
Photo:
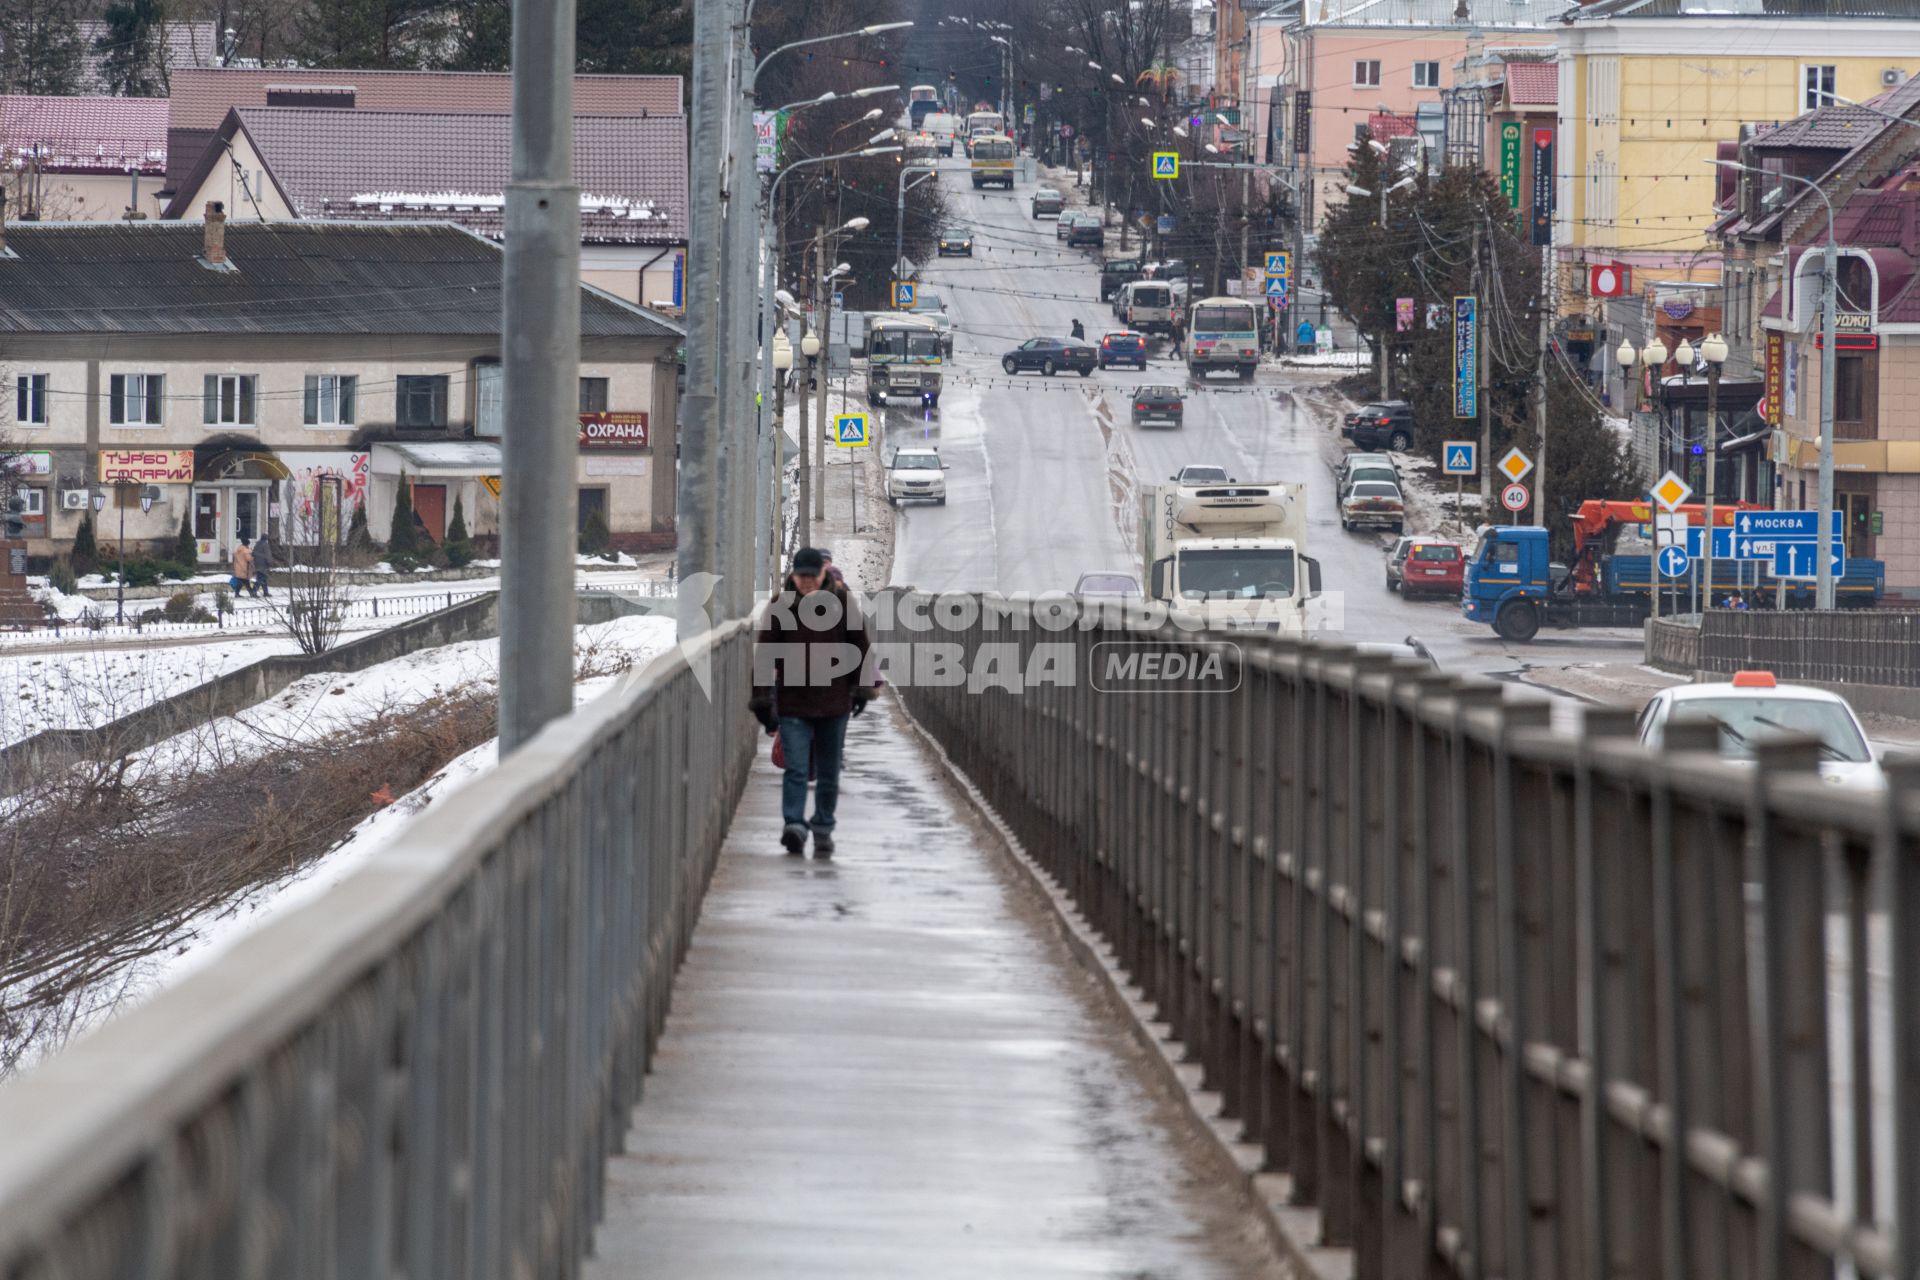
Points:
(1796, 560)
(1164, 224)
(1674, 561)
(1723, 543)
(1782, 524)
(1279, 263)
(1460, 458)
(1277, 285)
(903, 294)
(1166, 164)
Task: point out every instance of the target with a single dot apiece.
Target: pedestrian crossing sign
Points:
(1166, 164)
(1279, 264)
(1277, 286)
(850, 430)
(1458, 458)
(903, 295)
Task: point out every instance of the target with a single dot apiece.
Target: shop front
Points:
(236, 498)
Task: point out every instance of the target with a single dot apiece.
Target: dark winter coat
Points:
(781, 682)
(262, 556)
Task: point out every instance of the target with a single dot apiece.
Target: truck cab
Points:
(1507, 580)
(1231, 554)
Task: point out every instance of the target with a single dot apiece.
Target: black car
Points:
(1123, 346)
(1048, 355)
(1158, 406)
(1088, 229)
(956, 243)
(1384, 424)
(1115, 272)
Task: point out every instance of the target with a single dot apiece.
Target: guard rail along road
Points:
(421, 1073)
(1500, 1002)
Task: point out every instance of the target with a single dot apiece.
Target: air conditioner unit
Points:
(1893, 75)
(73, 499)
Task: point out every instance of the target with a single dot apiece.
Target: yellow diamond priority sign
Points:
(1670, 491)
(1514, 465)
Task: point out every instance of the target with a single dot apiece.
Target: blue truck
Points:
(1511, 585)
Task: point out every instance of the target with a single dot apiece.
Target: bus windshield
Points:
(993, 149)
(1222, 319)
(984, 122)
(909, 344)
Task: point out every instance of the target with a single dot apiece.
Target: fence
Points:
(423, 1072)
(1674, 646)
(1501, 1002)
(1840, 646)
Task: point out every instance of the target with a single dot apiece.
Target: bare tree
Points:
(313, 604)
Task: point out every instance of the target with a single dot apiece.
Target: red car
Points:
(1433, 567)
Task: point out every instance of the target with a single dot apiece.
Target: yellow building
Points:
(1649, 92)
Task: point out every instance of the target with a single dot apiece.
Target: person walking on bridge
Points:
(809, 663)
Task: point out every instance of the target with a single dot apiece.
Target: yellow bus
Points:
(993, 160)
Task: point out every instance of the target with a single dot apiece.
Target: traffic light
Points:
(14, 524)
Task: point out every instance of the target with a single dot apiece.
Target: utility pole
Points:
(747, 423)
(824, 294)
(699, 406)
(814, 370)
(1540, 393)
(1386, 339)
(540, 350)
(1480, 390)
(1823, 584)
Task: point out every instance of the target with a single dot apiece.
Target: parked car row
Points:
(1419, 564)
(1369, 490)
(1383, 424)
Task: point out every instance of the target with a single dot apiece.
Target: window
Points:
(1426, 75)
(1849, 388)
(30, 399)
(420, 400)
(593, 395)
(329, 400)
(226, 400)
(1366, 74)
(34, 503)
(1819, 86)
(135, 399)
(489, 397)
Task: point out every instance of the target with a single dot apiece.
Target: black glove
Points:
(861, 697)
(763, 712)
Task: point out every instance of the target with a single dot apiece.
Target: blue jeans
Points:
(811, 744)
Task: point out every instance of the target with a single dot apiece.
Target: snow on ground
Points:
(85, 687)
(1330, 359)
(321, 704)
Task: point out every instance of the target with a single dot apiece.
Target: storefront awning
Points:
(238, 464)
(437, 458)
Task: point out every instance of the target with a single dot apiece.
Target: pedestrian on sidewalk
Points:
(810, 656)
(262, 563)
(1304, 338)
(833, 570)
(241, 576)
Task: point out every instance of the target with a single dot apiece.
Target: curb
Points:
(1291, 1228)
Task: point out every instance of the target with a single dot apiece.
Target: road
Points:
(1045, 472)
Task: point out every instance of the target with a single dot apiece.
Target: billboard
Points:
(146, 466)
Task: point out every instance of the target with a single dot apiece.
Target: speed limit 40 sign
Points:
(1514, 497)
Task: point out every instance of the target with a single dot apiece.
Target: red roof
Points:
(202, 96)
(101, 134)
(1533, 84)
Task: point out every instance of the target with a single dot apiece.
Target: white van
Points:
(1146, 306)
(943, 127)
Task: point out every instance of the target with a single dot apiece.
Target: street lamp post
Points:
(1654, 357)
(782, 365)
(925, 169)
(1830, 266)
(1713, 350)
(810, 348)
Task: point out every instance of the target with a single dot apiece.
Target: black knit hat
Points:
(808, 560)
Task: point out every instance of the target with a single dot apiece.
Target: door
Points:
(430, 504)
(206, 523)
(592, 500)
(1857, 525)
(249, 506)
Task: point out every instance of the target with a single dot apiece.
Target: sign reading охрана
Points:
(613, 430)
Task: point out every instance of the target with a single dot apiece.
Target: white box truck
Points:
(1232, 554)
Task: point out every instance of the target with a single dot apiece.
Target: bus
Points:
(1223, 333)
(992, 160)
(984, 124)
(922, 100)
(903, 358)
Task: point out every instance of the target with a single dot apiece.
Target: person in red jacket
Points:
(809, 665)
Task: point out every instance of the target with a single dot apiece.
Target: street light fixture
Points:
(855, 224)
(1713, 350)
(1830, 267)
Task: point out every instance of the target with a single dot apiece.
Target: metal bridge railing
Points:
(1501, 1002)
(422, 1073)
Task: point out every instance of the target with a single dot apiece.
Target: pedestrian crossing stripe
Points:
(1166, 164)
(850, 430)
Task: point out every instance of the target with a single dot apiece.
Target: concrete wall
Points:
(477, 619)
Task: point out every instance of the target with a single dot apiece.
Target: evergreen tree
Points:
(634, 37)
(371, 34)
(483, 35)
(133, 50)
(86, 554)
(457, 547)
(403, 539)
(359, 538)
(186, 547)
(41, 48)
(595, 540)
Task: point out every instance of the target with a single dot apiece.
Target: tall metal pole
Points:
(699, 407)
(1713, 452)
(1386, 339)
(1823, 557)
(1479, 375)
(824, 288)
(747, 425)
(1540, 393)
(540, 355)
(771, 428)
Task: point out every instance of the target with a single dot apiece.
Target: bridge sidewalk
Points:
(887, 1065)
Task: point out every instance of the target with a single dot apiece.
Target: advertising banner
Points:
(1466, 358)
(146, 466)
(1776, 380)
(1543, 185)
(613, 431)
(1510, 162)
